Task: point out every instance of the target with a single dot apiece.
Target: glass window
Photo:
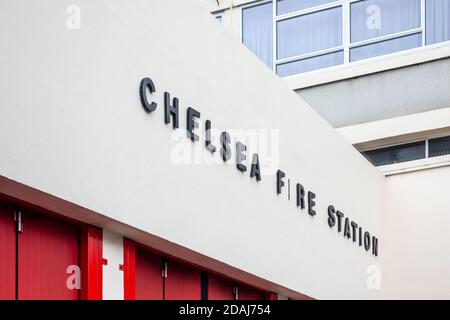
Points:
(437, 21)
(311, 36)
(375, 18)
(309, 33)
(396, 154)
(310, 64)
(257, 25)
(385, 47)
(219, 18)
(286, 6)
(439, 147)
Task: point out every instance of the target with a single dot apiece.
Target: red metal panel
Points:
(182, 283)
(219, 289)
(129, 270)
(149, 282)
(246, 293)
(7, 253)
(47, 247)
(271, 296)
(91, 263)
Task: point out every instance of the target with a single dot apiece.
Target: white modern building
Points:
(272, 150)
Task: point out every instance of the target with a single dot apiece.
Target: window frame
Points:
(396, 35)
(347, 45)
(428, 147)
(403, 144)
(299, 13)
(241, 15)
(218, 15)
(257, 3)
(426, 141)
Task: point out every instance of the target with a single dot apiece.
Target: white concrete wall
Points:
(72, 125)
(383, 95)
(417, 229)
(399, 129)
(417, 224)
(408, 91)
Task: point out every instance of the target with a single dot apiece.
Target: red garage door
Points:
(223, 289)
(149, 281)
(7, 253)
(46, 248)
(220, 289)
(40, 257)
(182, 282)
(148, 277)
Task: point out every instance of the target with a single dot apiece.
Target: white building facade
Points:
(378, 72)
(145, 142)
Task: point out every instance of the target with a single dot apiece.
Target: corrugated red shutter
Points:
(143, 280)
(219, 288)
(182, 283)
(47, 247)
(246, 293)
(129, 269)
(91, 263)
(7, 253)
(149, 281)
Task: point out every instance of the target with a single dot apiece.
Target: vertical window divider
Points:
(427, 148)
(241, 23)
(423, 21)
(274, 36)
(346, 30)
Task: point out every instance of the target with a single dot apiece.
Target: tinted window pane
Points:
(396, 154)
(257, 25)
(320, 62)
(439, 147)
(286, 6)
(375, 18)
(385, 47)
(438, 21)
(309, 33)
